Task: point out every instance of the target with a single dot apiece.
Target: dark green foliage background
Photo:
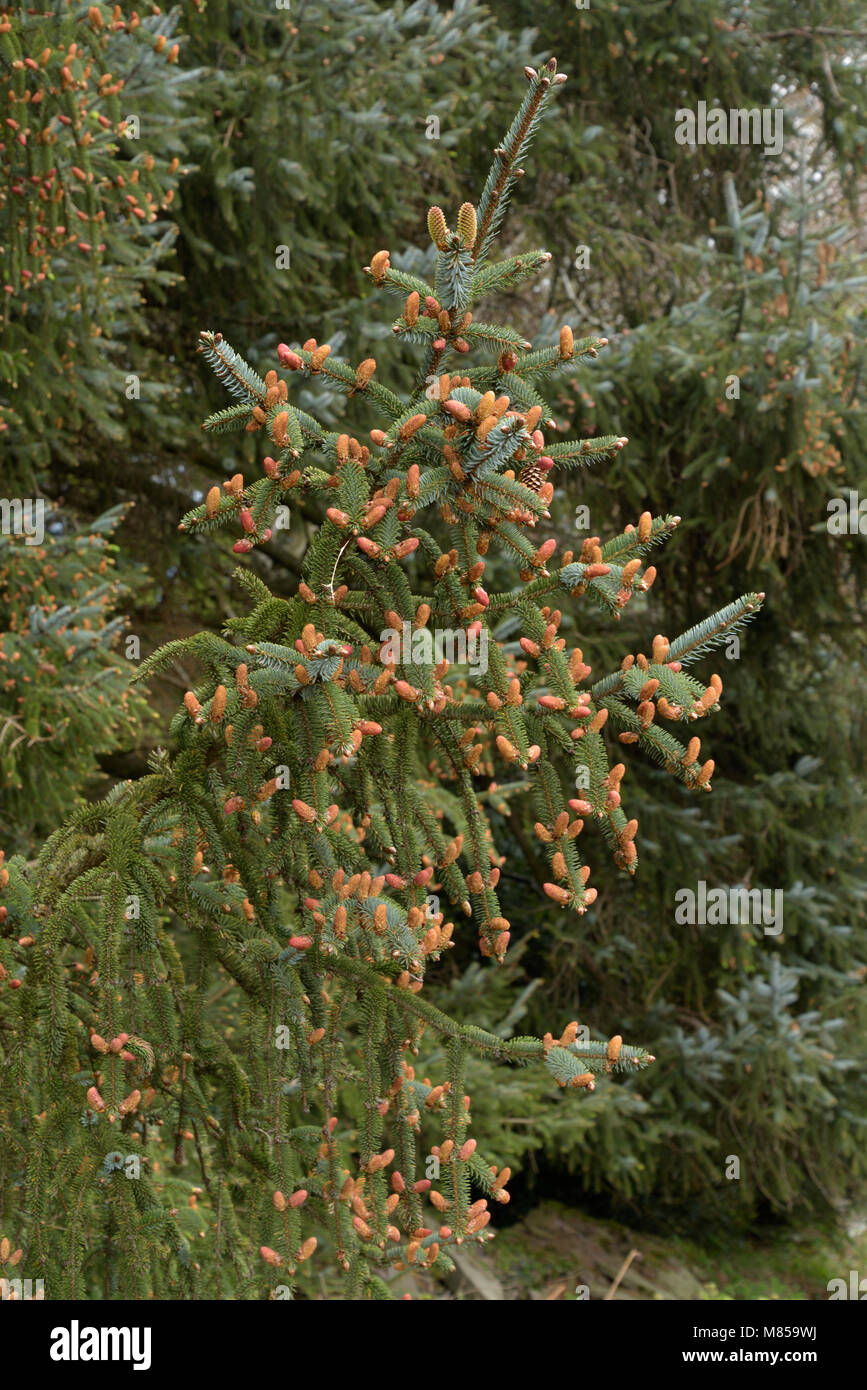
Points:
(306, 129)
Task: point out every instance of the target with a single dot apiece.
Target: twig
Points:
(633, 1254)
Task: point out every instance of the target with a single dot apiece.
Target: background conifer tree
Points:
(65, 697)
(729, 281)
(92, 104)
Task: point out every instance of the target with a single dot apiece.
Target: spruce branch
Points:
(505, 170)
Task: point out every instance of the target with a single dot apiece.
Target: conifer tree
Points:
(64, 686)
(327, 825)
(92, 104)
